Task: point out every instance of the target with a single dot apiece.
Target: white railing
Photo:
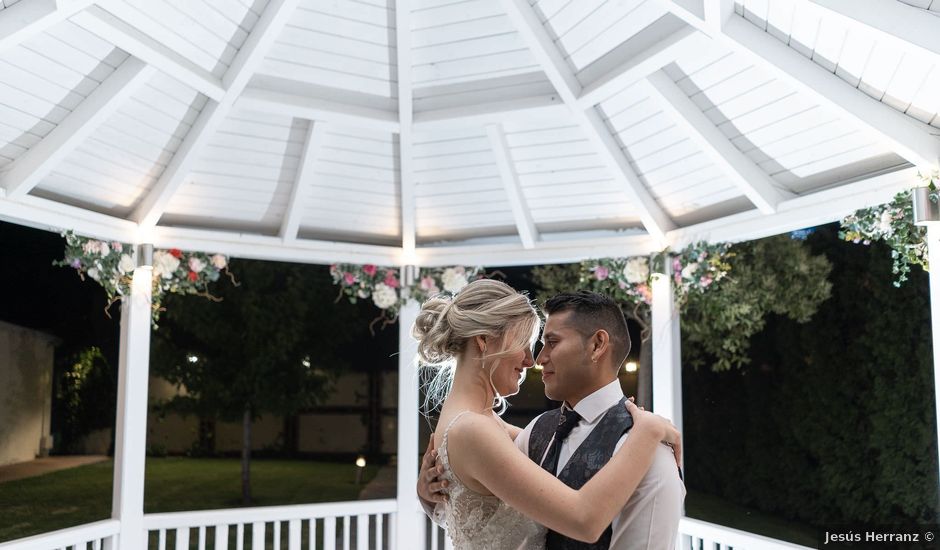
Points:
(436, 537)
(358, 525)
(101, 535)
(700, 535)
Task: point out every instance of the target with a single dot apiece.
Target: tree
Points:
(272, 345)
(773, 275)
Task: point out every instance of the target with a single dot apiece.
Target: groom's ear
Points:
(599, 344)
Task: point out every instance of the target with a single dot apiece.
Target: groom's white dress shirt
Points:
(650, 519)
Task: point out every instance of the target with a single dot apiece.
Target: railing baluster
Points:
(345, 532)
(362, 531)
(329, 533)
(392, 527)
(240, 537)
(277, 535)
(96, 545)
(257, 535)
(202, 537)
(161, 539)
(379, 527)
(433, 536)
(221, 537)
(293, 534)
(312, 534)
(182, 538)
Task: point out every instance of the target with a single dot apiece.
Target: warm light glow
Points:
(192, 359)
(306, 362)
(630, 366)
(361, 462)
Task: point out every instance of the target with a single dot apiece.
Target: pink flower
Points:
(369, 269)
(349, 278)
(332, 269)
(390, 279)
(117, 247)
(601, 272)
(428, 284)
(645, 292)
(706, 281)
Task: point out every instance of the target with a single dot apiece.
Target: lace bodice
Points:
(484, 522)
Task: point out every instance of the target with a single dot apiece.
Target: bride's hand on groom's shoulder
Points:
(431, 488)
(662, 428)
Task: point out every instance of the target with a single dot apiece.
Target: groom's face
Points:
(565, 359)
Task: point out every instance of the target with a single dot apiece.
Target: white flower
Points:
(196, 265)
(104, 249)
(689, 270)
(126, 265)
(637, 270)
(219, 261)
(94, 274)
(164, 264)
(454, 278)
(384, 296)
(884, 224)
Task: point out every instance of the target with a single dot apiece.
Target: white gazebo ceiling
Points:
(491, 131)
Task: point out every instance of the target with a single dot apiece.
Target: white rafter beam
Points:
(520, 211)
(649, 50)
(27, 18)
(276, 102)
(28, 170)
(759, 188)
(249, 57)
(913, 140)
(316, 136)
(908, 28)
(132, 40)
(406, 119)
(549, 57)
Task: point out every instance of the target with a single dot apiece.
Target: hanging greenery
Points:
(893, 224)
(111, 265)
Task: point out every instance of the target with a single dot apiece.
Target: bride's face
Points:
(509, 372)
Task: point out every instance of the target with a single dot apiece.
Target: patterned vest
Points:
(586, 461)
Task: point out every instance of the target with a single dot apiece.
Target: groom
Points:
(585, 343)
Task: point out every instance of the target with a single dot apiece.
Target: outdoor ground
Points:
(81, 495)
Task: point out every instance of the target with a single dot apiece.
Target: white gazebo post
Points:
(127, 505)
(933, 245)
(667, 361)
(409, 533)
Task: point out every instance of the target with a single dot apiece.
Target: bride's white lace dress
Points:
(483, 522)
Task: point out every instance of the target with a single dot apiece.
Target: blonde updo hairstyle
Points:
(445, 326)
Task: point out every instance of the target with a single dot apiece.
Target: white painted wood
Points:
(700, 531)
(313, 108)
(524, 224)
(275, 16)
(666, 342)
(520, 12)
(910, 139)
(95, 532)
(403, 30)
(316, 136)
(132, 40)
(410, 523)
(23, 20)
(41, 159)
(762, 191)
(902, 26)
(131, 429)
(933, 246)
(362, 532)
(638, 64)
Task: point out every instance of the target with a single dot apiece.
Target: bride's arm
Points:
(487, 457)
(511, 429)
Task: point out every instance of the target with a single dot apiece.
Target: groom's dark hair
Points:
(591, 312)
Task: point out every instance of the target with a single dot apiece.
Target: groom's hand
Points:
(431, 488)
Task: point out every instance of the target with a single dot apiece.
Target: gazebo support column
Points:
(933, 253)
(127, 503)
(409, 532)
(667, 359)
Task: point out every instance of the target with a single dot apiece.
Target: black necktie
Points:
(566, 422)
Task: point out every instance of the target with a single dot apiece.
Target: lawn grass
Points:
(717, 510)
(82, 495)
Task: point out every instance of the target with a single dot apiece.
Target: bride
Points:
(499, 499)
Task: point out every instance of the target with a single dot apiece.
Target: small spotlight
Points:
(630, 366)
(192, 359)
(361, 465)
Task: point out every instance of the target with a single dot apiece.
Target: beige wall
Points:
(26, 358)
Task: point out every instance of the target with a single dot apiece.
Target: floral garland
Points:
(695, 268)
(382, 285)
(110, 264)
(893, 224)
